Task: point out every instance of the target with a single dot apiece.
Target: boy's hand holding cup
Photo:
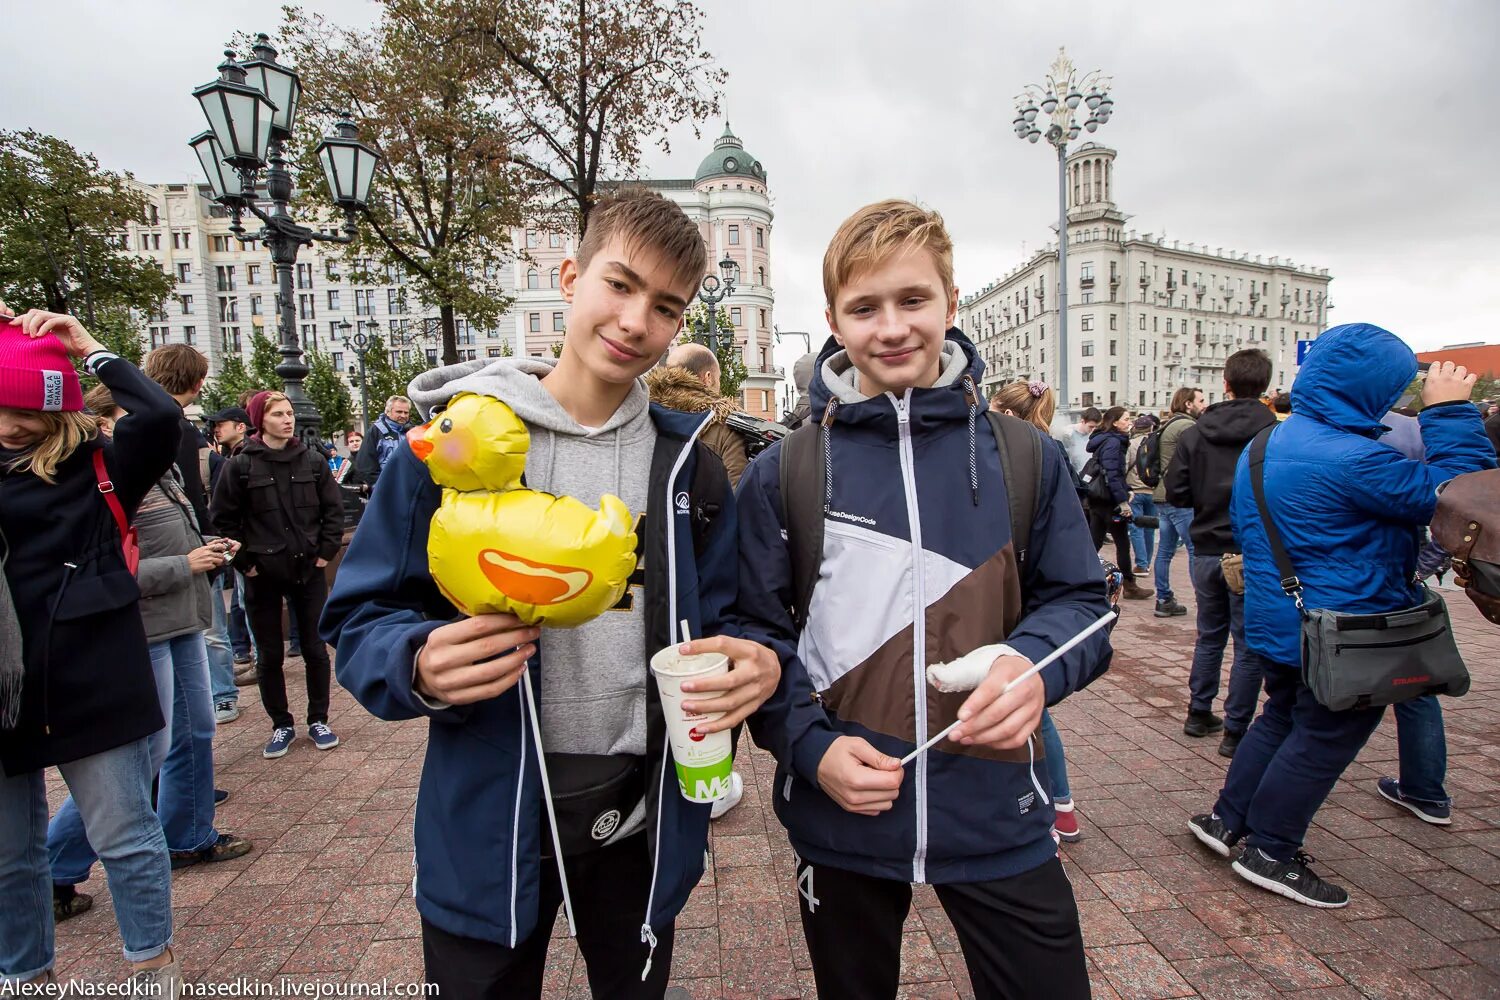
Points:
(993, 718)
(474, 659)
(754, 672)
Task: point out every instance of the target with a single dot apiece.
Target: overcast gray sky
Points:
(1352, 136)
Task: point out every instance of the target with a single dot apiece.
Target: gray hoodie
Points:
(593, 690)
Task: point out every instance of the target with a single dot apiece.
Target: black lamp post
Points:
(715, 291)
(250, 111)
(361, 343)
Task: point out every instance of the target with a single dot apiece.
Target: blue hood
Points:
(1353, 376)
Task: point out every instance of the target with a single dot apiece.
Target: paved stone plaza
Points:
(326, 895)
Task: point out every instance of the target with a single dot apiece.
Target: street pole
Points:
(1062, 273)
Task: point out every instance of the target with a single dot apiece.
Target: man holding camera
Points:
(1200, 478)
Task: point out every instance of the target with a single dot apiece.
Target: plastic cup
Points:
(704, 761)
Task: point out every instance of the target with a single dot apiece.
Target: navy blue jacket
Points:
(1110, 447)
(918, 567)
(1347, 506)
(480, 823)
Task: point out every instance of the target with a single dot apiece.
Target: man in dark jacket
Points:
(688, 380)
(381, 439)
(1201, 478)
(278, 499)
(1346, 508)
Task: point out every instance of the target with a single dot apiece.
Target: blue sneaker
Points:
(1436, 813)
(323, 738)
(221, 796)
(281, 742)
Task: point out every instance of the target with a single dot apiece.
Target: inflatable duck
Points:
(496, 546)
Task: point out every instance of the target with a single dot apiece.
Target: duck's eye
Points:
(446, 425)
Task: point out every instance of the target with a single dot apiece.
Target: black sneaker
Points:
(1200, 723)
(1210, 829)
(226, 848)
(68, 902)
(1229, 744)
(1292, 879)
(221, 796)
(1169, 608)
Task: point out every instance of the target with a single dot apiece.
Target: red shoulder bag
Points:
(129, 542)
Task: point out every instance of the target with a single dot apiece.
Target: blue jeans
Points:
(239, 625)
(220, 653)
(1423, 748)
(1221, 613)
(1175, 522)
(1057, 764)
(1288, 762)
(181, 753)
(113, 791)
(1142, 540)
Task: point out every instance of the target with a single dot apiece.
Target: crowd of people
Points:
(897, 530)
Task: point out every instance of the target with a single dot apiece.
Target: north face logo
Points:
(682, 502)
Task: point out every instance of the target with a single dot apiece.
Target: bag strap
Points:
(802, 509)
(1289, 582)
(1018, 440)
(107, 488)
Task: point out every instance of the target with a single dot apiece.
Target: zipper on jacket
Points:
(68, 569)
(918, 624)
(648, 936)
(515, 830)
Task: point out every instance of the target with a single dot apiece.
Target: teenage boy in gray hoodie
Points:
(488, 885)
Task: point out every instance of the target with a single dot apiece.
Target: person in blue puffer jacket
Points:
(1345, 506)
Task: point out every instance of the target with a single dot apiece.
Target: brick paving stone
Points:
(326, 894)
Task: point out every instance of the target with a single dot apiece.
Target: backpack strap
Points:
(802, 507)
(1020, 453)
(709, 487)
(107, 488)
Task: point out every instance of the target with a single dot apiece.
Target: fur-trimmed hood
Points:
(679, 389)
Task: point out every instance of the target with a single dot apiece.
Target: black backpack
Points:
(802, 497)
(1148, 456)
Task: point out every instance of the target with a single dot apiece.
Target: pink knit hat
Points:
(36, 372)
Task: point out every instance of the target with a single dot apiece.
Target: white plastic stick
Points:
(687, 636)
(536, 733)
(1048, 659)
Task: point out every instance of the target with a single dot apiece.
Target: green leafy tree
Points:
(385, 379)
(61, 223)
(329, 393)
(264, 358)
(427, 95)
(225, 389)
(587, 85)
(732, 370)
(557, 349)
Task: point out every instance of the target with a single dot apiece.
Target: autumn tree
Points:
(61, 219)
(424, 92)
(588, 85)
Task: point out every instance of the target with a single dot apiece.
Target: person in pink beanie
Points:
(81, 696)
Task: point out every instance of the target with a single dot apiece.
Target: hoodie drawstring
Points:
(1031, 760)
(973, 395)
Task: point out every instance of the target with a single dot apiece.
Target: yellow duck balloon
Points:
(495, 546)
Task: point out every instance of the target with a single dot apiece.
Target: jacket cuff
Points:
(810, 749)
(436, 704)
(401, 669)
(1036, 649)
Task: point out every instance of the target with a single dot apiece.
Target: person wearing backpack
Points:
(1200, 479)
(77, 691)
(1142, 540)
(1108, 505)
(381, 439)
(1346, 508)
(885, 543)
(1176, 522)
(277, 498)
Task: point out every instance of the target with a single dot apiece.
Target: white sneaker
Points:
(728, 802)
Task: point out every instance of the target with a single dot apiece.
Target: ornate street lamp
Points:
(1059, 99)
(251, 111)
(360, 342)
(714, 291)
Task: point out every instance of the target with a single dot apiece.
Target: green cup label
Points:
(700, 782)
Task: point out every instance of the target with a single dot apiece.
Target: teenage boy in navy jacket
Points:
(487, 885)
(918, 566)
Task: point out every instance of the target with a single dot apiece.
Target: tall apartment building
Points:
(226, 289)
(1145, 315)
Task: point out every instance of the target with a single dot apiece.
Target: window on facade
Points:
(734, 236)
(1114, 348)
(225, 275)
(534, 322)
(395, 302)
(338, 361)
(1088, 399)
(333, 299)
(184, 272)
(304, 275)
(532, 239)
(1169, 324)
(228, 309)
(1141, 348)
(760, 238)
(735, 316)
(181, 241)
(1114, 372)
(334, 333)
(1086, 271)
(554, 278)
(221, 244)
(186, 301)
(1088, 348)
(1086, 323)
(762, 319)
(533, 280)
(1114, 321)
(305, 307)
(1088, 297)
(252, 274)
(555, 241)
(557, 323)
(1088, 373)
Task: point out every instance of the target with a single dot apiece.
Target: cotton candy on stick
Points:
(966, 671)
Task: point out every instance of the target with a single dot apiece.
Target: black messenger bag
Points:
(1365, 661)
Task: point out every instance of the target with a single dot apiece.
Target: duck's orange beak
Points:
(420, 446)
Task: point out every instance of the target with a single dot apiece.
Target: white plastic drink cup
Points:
(704, 761)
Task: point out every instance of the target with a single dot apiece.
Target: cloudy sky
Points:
(1353, 136)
